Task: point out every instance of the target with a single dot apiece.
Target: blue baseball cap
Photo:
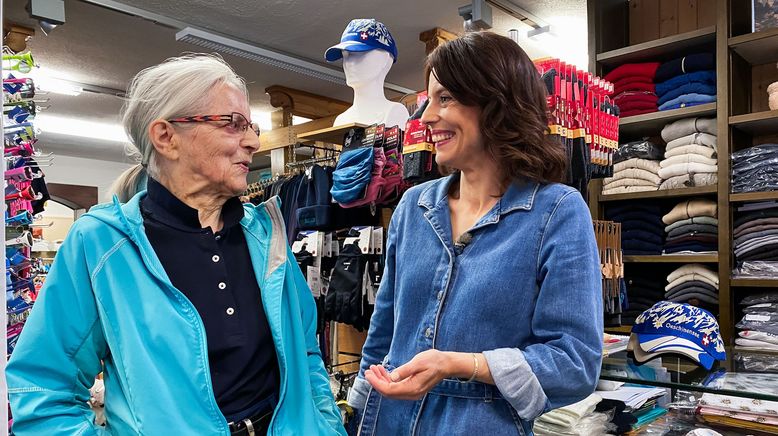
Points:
(677, 328)
(363, 34)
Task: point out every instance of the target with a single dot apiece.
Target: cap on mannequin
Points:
(367, 67)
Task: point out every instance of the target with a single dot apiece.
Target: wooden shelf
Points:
(757, 124)
(663, 49)
(622, 329)
(754, 283)
(753, 196)
(663, 193)
(757, 48)
(673, 258)
(330, 135)
(653, 123)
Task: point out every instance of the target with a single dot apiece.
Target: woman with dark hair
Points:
(489, 312)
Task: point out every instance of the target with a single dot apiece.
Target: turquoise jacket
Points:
(109, 306)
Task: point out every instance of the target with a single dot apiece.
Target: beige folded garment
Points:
(689, 181)
(634, 173)
(628, 182)
(686, 168)
(692, 148)
(691, 208)
(689, 277)
(687, 158)
(643, 164)
(693, 268)
(698, 138)
(628, 189)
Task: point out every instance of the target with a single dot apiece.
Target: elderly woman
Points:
(188, 302)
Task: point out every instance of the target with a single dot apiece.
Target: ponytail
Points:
(129, 183)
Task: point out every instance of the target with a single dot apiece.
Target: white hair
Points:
(177, 87)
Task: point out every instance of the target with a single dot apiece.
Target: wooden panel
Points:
(687, 15)
(761, 77)
(609, 24)
(668, 18)
(286, 136)
(756, 124)
(673, 258)
(662, 49)
(73, 196)
(706, 13)
(740, 79)
(753, 196)
(757, 48)
(349, 341)
(643, 21)
(651, 124)
(305, 104)
(664, 193)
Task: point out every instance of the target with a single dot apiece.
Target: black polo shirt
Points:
(215, 273)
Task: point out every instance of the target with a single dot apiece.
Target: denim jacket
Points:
(525, 292)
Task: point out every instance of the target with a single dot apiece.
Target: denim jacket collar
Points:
(519, 196)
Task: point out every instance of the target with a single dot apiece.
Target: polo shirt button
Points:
(222, 285)
(215, 258)
(230, 311)
(428, 333)
(218, 237)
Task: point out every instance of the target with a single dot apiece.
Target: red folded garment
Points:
(632, 113)
(645, 69)
(634, 86)
(627, 106)
(632, 96)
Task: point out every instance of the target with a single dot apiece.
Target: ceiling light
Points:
(477, 16)
(244, 50)
(77, 127)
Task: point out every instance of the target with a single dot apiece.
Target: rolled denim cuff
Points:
(516, 382)
(357, 395)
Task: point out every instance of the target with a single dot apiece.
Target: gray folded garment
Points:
(692, 229)
(755, 244)
(687, 126)
(686, 296)
(744, 239)
(695, 220)
(689, 181)
(704, 139)
(687, 158)
(695, 286)
(755, 229)
(753, 223)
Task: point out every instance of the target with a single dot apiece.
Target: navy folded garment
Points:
(692, 246)
(635, 246)
(698, 284)
(686, 64)
(689, 88)
(637, 216)
(757, 214)
(686, 296)
(641, 235)
(642, 225)
(618, 209)
(707, 77)
(686, 100)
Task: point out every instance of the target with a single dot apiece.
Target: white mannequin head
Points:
(364, 68)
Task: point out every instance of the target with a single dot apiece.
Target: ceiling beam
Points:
(304, 104)
(434, 37)
(287, 136)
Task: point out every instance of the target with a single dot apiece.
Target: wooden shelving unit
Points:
(753, 196)
(661, 49)
(330, 135)
(664, 193)
(756, 124)
(621, 330)
(756, 48)
(754, 283)
(673, 258)
(653, 122)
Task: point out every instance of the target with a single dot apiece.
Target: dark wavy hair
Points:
(492, 72)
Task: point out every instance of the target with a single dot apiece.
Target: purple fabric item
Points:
(377, 182)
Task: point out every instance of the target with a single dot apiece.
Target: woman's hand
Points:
(414, 379)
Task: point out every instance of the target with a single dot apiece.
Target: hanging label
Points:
(314, 281)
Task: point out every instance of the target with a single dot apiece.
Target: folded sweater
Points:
(690, 181)
(686, 168)
(644, 69)
(706, 77)
(701, 150)
(643, 164)
(691, 208)
(634, 173)
(695, 269)
(687, 158)
(687, 126)
(686, 100)
(689, 88)
(693, 138)
(683, 65)
(696, 220)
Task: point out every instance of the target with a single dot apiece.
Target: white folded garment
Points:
(686, 168)
(752, 344)
(628, 190)
(634, 173)
(694, 268)
(687, 158)
(569, 416)
(690, 181)
(693, 148)
(643, 164)
(700, 138)
(689, 277)
(759, 336)
(627, 182)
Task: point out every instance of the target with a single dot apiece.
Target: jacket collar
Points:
(519, 196)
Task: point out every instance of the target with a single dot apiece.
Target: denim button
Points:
(222, 285)
(428, 332)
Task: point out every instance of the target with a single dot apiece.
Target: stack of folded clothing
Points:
(739, 413)
(756, 234)
(753, 169)
(643, 291)
(576, 419)
(641, 227)
(640, 403)
(686, 81)
(621, 419)
(690, 154)
(759, 323)
(690, 231)
(635, 169)
(634, 89)
(694, 284)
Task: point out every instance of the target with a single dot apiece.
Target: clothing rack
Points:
(315, 160)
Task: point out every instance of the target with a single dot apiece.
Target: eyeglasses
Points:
(236, 120)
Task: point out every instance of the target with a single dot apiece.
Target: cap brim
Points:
(647, 346)
(336, 51)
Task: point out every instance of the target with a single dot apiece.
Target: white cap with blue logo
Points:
(363, 34)
(677, 328)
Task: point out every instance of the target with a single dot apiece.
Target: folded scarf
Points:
(690, 209)
(645, 69)
(643, 164)
(686, 64)
(689, 88)
(686, 168)
(687, 126)
(702, 150)
(685, 100)
(687, 158)
(707, 77)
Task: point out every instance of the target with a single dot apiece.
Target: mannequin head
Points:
(363, 68)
